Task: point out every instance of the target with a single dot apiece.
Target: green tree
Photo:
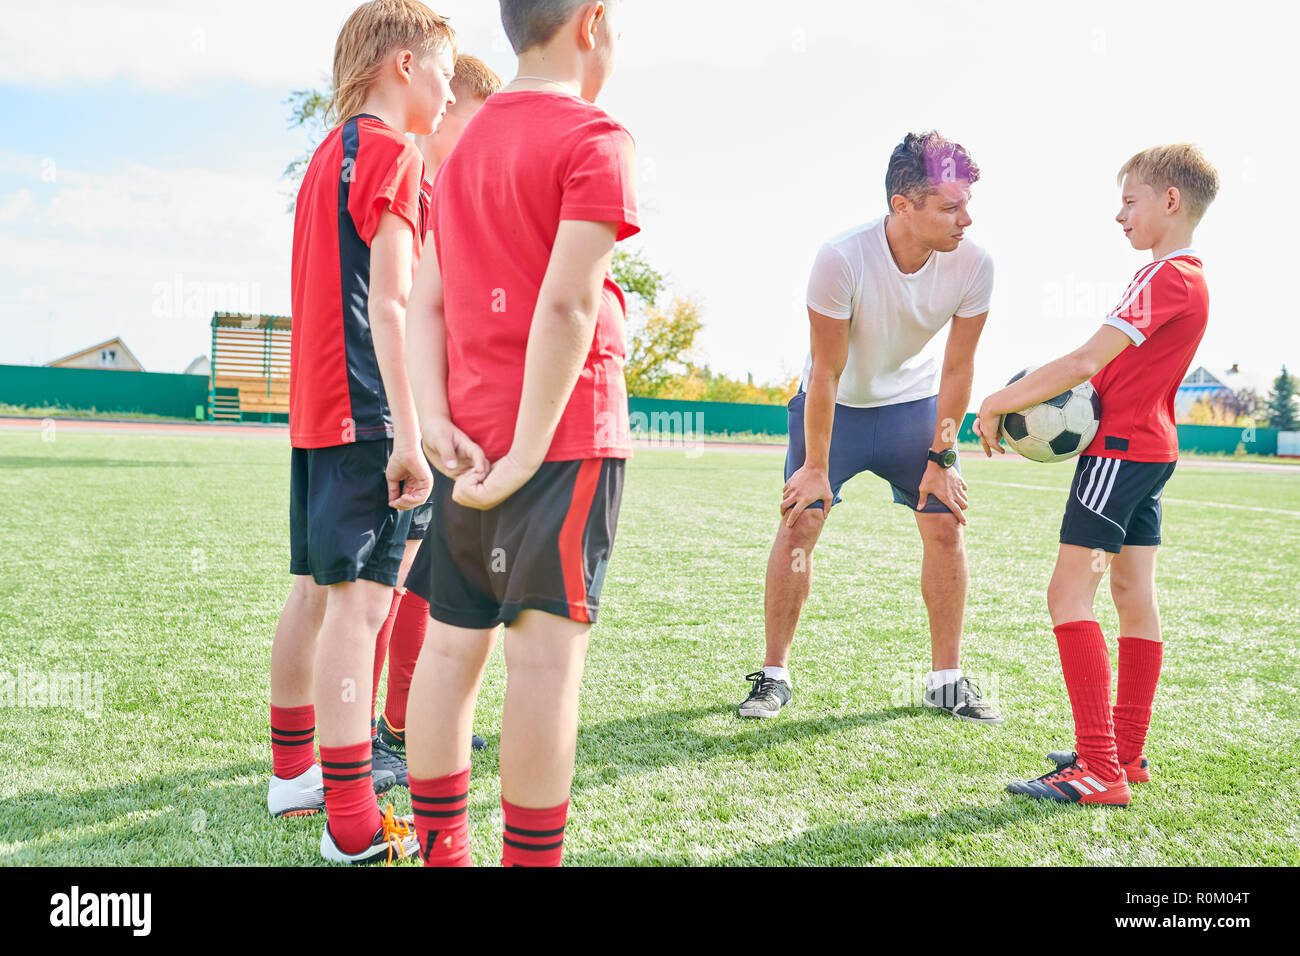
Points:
(1281, 402)
(661, 347)
(307, 110)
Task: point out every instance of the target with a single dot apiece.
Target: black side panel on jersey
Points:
(370, 413)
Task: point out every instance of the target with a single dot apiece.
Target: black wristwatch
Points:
(944, 459)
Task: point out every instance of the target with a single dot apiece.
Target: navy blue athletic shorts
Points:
(340, 525)
(893, 441)
(545, 547)
(1114, 502)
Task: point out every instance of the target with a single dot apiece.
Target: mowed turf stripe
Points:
(1177, 501)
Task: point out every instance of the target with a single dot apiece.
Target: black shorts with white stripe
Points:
(1114, 502)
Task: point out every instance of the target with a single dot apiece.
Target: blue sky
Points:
(140, 170)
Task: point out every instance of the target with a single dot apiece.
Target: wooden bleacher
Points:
(250, 367)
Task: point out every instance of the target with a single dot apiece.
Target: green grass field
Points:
(159, 563)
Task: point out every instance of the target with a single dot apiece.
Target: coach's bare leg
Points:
(944, 578)
(1133, 586)
(408, 558)
(440, 703)
(545, 655)
(345, 658)
(789, 579)
(293, 651)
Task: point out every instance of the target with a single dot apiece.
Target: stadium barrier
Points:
(105, 390)
(187, 396)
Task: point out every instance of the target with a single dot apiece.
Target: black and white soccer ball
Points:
(1056, 429)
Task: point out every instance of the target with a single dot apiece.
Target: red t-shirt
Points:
(1164, 311)
(362, 169)
(526, 161)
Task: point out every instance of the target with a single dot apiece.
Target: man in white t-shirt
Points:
(868, 401)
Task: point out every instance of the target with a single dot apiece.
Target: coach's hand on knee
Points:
(946, 485)
(450, 450)
(805, 486)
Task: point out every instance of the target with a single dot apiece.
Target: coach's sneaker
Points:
(766, 697)
(1073, 782)
(383, 757)
(962, 698)
(395, 740)
(1137, 770)
(394, 838)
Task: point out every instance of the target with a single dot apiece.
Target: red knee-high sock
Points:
(403, 649)
(1139, 671)
(532, 837)
(293, 739)
(381, 652)
(350, 795)
(441, 807)
(1086, 665)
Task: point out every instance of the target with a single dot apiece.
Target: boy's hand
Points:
(946, 485)
(409, 480)
(485, 490)
(988, 425)
(804, 487)
(450, 450)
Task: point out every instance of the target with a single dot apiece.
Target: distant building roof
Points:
(199, 366)
(1202, 378)
(112, 353)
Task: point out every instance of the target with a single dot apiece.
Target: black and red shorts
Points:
(546, 547)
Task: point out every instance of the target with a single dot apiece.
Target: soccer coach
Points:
(867, 402)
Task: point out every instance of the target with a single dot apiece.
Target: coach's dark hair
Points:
(922, 161)
(531, 23)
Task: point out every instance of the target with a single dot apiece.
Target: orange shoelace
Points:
(396, 831)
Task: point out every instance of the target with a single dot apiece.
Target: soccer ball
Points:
(1056, 429)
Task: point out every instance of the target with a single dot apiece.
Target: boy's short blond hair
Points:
(1180, 165)
(474, 78)
(373, 31)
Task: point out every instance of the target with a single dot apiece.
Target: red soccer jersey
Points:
(526, 161)
(362, 169)
(1164, 311)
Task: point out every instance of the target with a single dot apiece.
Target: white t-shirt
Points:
(892, 316)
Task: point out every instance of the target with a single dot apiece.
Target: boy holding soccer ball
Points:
(1136, 361)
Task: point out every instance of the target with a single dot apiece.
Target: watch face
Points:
(947, 458)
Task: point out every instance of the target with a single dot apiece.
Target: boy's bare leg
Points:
(444, 689)
(1133, 587)
(293, 651)
(789, 581)
(345, 657)
(545, 655)
(1073, 588)
(944, 580)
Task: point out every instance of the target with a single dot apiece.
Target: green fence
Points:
(105, 390)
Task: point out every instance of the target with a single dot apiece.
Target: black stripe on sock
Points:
(439, 813)
(292, 743)
(418, 798)
(534, 833)
(533, 846)
(343, 777)
(293, 733)
(336, 765)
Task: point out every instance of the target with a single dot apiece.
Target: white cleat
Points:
(395, 838)
(304, 794)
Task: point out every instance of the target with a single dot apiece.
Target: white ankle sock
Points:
(936, 679)
(778, 673)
